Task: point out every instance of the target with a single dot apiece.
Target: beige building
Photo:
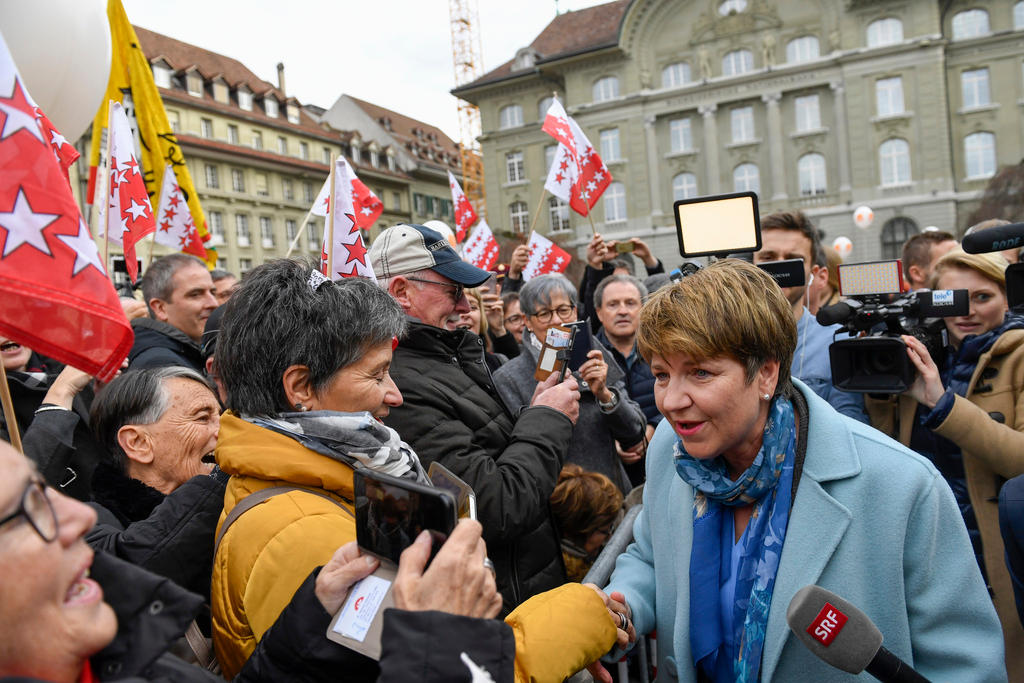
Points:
(908, 107)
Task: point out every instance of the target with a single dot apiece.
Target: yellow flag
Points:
(131, 83)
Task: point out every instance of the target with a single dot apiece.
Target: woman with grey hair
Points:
(607, 414)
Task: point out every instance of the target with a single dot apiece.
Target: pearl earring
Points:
(766, 396)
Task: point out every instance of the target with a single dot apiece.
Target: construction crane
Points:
(467, 56)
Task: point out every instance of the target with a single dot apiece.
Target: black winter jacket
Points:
(453, 414)
(639, 380)
(158, 344)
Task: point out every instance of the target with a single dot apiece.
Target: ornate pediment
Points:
(758, 15)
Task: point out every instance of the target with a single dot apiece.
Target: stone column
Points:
(842, 134)
(775, 135)
(710, 148)
(653, 168)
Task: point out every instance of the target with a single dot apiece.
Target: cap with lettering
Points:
(406, 248)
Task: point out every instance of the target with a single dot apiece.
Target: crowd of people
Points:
(194, 519)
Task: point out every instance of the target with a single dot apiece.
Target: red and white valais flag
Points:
(545, 257)
(129, 212)
(175, 228)
(55, 296)
(465, 215)
(481, 249)
(63, 150)
(348, 257)
(577, 175)
(367, 206)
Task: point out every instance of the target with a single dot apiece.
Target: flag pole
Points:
(9, 417)
(298, 235)
(330, 218)
(536, 213)
(590, 215)
(102, 222)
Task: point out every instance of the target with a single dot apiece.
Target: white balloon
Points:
(62, 50)
(843, 246)
(863, 217)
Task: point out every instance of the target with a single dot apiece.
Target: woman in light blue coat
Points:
(756, 488)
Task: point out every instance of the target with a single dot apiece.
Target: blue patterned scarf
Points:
(768, 483)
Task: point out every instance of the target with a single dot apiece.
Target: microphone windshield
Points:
(994, 239)
(836, 313)
(834, 630)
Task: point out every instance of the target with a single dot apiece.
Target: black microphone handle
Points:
(885, 666)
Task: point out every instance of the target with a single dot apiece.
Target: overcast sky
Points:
(395, 53)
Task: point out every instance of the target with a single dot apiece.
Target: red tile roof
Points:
(568, 33)
(418, 138)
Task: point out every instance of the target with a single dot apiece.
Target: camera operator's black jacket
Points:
(453, 414)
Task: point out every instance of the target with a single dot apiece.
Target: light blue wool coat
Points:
(872, 521)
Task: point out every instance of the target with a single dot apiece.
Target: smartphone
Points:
(391, 512)
(624, 247)
(442, 478)
(581, 344)
(491, 284)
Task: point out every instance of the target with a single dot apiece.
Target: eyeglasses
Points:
(37, 509)
(457, 294)
(563, 311)
(514, 319)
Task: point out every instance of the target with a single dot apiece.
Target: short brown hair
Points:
(798, 222)
(584, 502)
(730, 308)
(917, 251)
(989, 266)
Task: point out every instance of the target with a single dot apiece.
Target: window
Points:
(220, 91)
(610, 144)
(282, 145)
(194, 84)
(313, 241)
(895, 233)
(615, 203)
(325, 156)
(392, 162)
(1018, 16)
(216, 227)
(304, 150)
(175, 119)
(684, 186)
(244, 265)
(889, 96)
(293, 113)
(510, 116)
(270, 107)
(542, 108)
(232, 134)
(261, 184)
(290, 230)
(257, 140)
(606, 88)
(802, 49)
(974, 86)
(549, 157)
(287, 189)
(418, 203)
(206, 128)
(237, 180)
(675, 75)
(374, 158)
(885, 32)
(980, 153)
(894, 162)
(307, 191)
(266, 232)
(680, 135)
(970, 24)
(514, 171)
(745, 178)
(244, 99)
(519, 217)
(396, 201)
(730, 6)
(810, 170)
(558, 212)
(222, 263)
(242, 230)
(737, 62)
(742, 124)
(212, 176)
(808, 114)
(162, 75)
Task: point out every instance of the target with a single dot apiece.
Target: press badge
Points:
(361, 607)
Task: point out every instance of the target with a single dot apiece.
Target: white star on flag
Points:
(136, 210)
(86, 252)
(25, 226)
(17, 118)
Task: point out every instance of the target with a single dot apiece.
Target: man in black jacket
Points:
(180, 295)
(453, 414)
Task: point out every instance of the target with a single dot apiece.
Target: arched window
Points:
(895, 233)
(684, 186)
(745, 178)
(980, 155)
(810, 169)
(615, 203)
(970, 23)
(894, 162)
(675, 75)
(730, 6)
(606, 88)
(737, 62)
(519, 216)
(542, 108)
(802, 49)
(510, 116)
(1018, 15)
(885, 32)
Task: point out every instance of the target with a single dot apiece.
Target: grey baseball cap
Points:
(406, 248)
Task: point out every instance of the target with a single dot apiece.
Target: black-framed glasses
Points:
(563, 312)
(457, 294)
(36, 507)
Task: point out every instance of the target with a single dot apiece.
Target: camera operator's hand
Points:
(927, 388)
(345, 568)
(457, 581)
(563, 397)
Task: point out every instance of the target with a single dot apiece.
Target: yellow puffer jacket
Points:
(270, 550)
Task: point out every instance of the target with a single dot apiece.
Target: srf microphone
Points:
(838, 312)
(844, 637)
(994, 239)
